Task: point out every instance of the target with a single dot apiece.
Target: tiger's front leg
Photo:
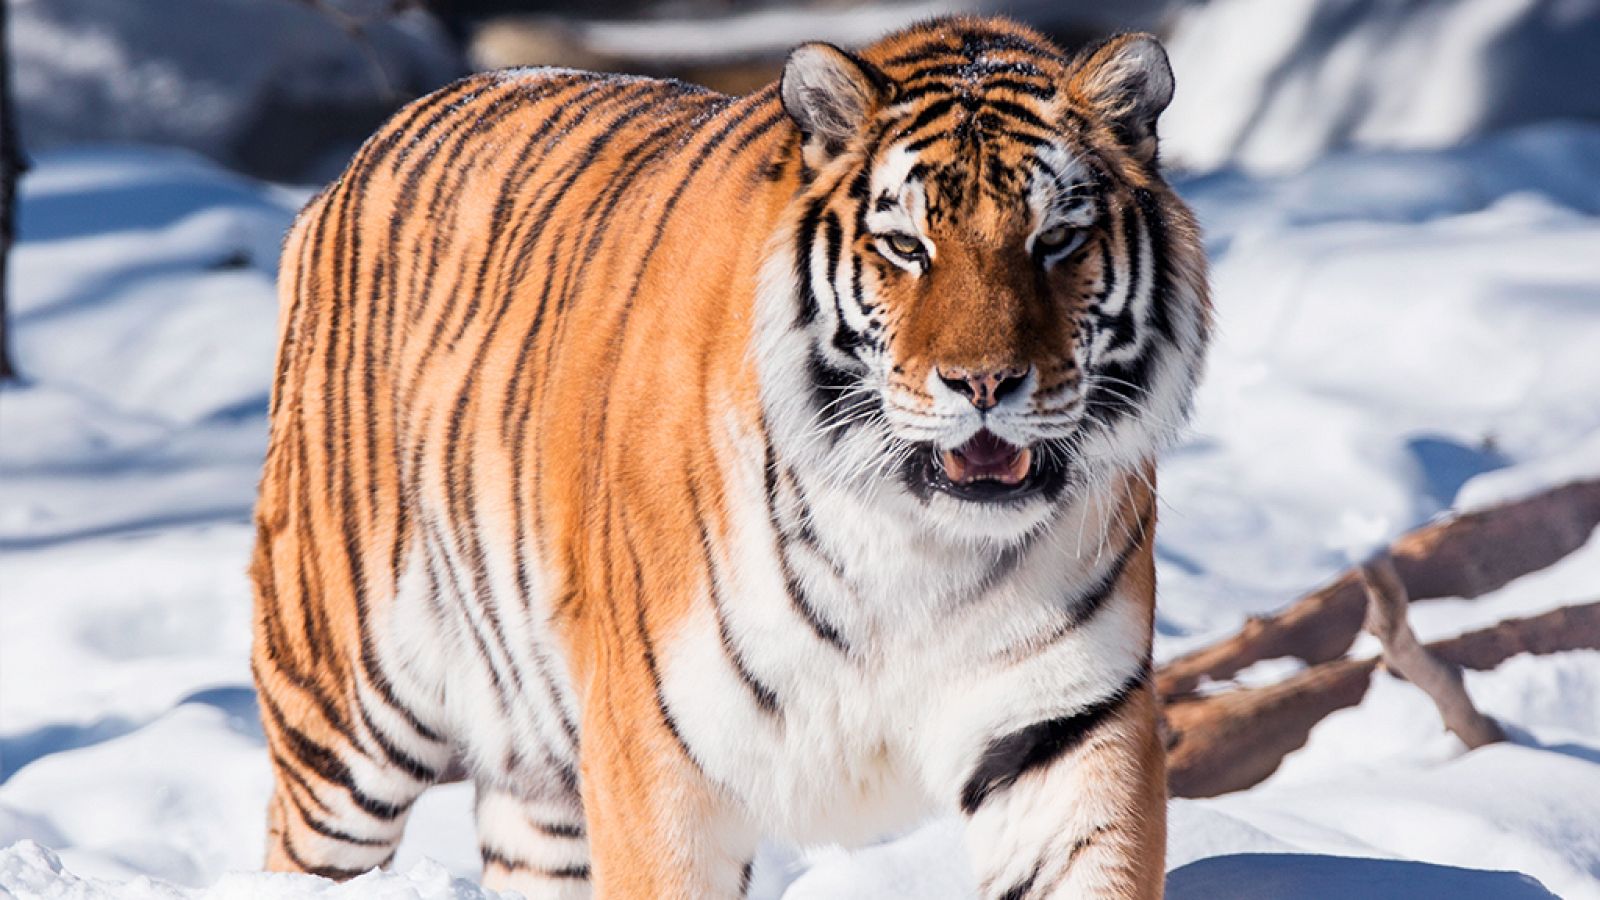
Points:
(1074, 806)
(658, 828)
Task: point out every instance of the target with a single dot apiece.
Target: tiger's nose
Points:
(984, 387)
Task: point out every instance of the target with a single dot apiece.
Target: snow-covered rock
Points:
(277, 87)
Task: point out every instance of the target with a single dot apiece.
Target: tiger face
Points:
(1002, 299)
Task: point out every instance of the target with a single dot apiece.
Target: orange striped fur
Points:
(624, 460)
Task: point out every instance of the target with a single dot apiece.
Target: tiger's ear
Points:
(829, 93)
(1128, 81)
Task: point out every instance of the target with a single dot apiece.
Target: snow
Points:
(1392, 327)
(1302, 77)
(1399, 332)
(31, 870)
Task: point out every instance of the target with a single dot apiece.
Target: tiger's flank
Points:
(687, 469)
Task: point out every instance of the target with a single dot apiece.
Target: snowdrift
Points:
(1400, 333)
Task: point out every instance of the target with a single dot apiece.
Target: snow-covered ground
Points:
(1399, 332)
(1270, 84)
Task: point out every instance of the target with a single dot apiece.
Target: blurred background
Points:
(283, 89)
(1401, 201)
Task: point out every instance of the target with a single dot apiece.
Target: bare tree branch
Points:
(1404, 655)
(1461, 556)
(1233, 740)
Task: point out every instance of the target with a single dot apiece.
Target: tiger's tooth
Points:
(955, 466)
(1017, 469)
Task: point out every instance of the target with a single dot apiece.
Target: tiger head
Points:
(994, 298)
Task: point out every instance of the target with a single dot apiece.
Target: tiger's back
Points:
(684, 469)
(499, 284)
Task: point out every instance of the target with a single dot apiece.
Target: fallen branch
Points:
(1233, 740)
(1462, 556)
(1405, 656)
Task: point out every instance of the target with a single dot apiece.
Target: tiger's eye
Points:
(1054, 237)
(905, 245)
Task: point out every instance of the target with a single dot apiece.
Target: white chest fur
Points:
(847, 668)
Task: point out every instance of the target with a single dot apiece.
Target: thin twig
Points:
(1405, 656)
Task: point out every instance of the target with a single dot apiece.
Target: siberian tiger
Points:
(687, 469)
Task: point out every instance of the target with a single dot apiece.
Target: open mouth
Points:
(987, 457)
(987, 469)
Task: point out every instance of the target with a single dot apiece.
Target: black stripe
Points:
(310, 686)
(1005, 562)
(1161, 287)
(805, 236)
(309, 569)
(1020, 890)
(922, 53)
(644, 150)
(407, 763)
(1133, 246)
(1045, 91)
(334, 873)
(1125, 327)
(928, 114)
(923, 143)
(976, 43)
(555, 829)
(1016, 111)
(1091, 600)
(438, 562)
(791, 583)
(1078, 846)
(1041, 744)
(287, 772)
(648, 645)
(844, 339)
(327, 765)
(1110, 404)
(833, 245)
(458, 95)
(806, 536)
(493, 857)
(765, 697)
(331, 833)
(1108, 274)
(556, 183)
(379, 681)
(833, 394)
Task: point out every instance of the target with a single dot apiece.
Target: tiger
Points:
(690, 471)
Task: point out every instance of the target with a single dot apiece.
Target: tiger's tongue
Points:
(986, 458)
